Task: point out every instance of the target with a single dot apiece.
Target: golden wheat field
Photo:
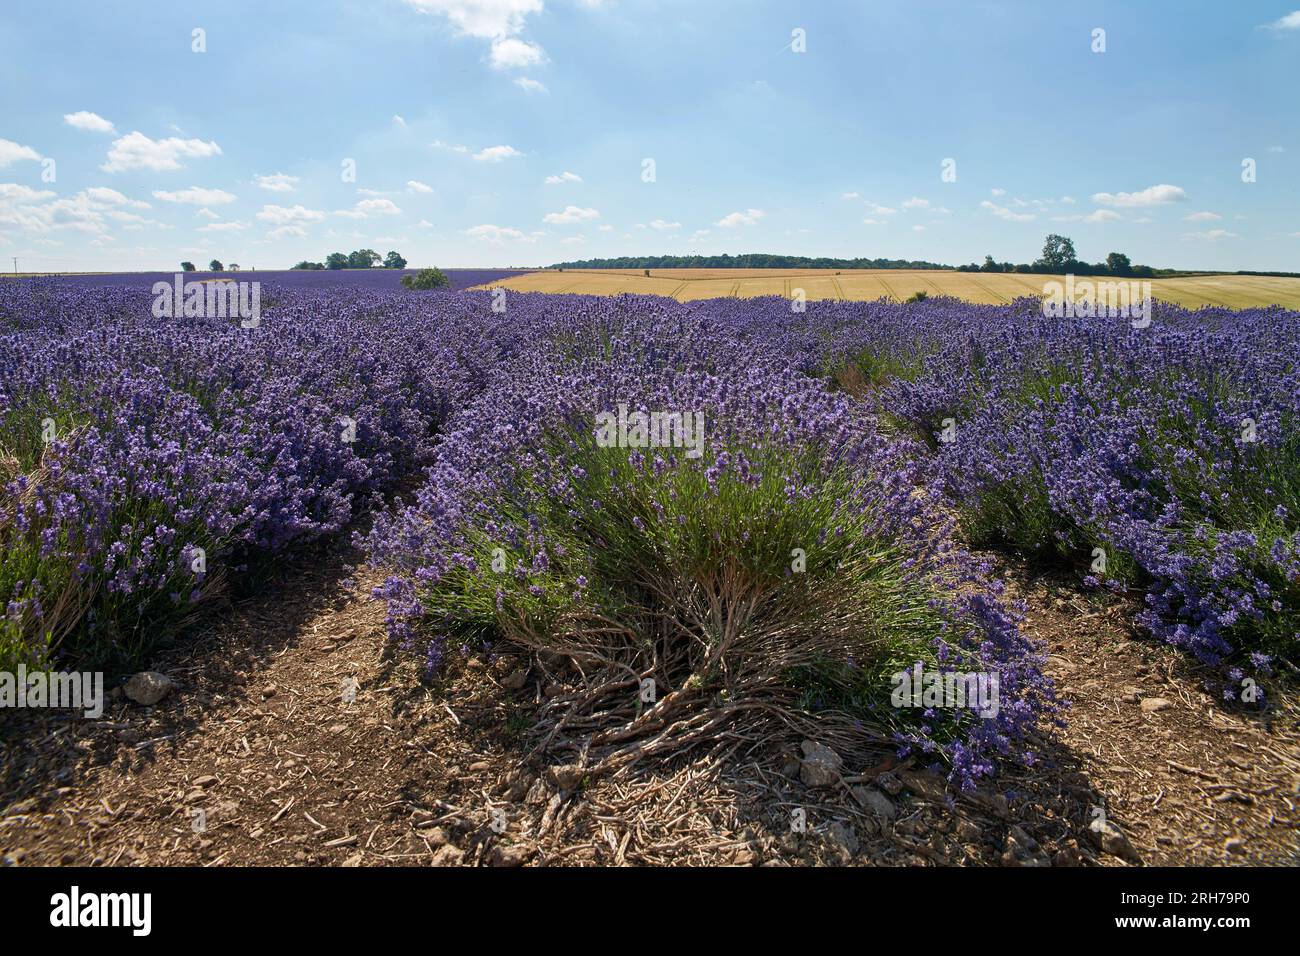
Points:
(1236, 292)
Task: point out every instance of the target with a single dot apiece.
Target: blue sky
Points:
(515, 132)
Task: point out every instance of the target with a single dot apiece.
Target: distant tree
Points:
(394, 261)
(363, 259)
(187, 266)
(1118, 264)
(1058, 253)
(216, 266)
(309, 265)
(426, 279)
(233, 267)
(990, 265)
(336, 260)
(918, 297)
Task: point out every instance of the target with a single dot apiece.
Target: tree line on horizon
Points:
(360, 259)
(1058, 258)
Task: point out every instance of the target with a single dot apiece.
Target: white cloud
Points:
(996, 191)
(111, 197)
(874, 222)
(1289, 22)
(509, 53)
(564, 177)
(283, 232)
(916, 202)
(277, 182)
(454, 147)
(398, 121)
(424, 224)
(415, 186)
(1151, 196)
(28, 210)
(208, 213)
(661, 225)
(1210, 234)
(1277, 149)
(749, 217)
(91, 122)
(1004, 213)
(137, 151)
(289, 215)
(878, 210)
(223, 227)
(918, 228)
(495, 154)
(1202, 217)
(370, 207)
(490, 233)
(1099, 215)
(573, 240)
(195, 195)
(530, 85)
(11, 152)
(13, 192)
(849, 196)
(571, 214)
(486, 19)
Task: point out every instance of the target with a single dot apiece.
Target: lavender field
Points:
(389, 280)
(827, 503)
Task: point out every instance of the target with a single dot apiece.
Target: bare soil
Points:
(263, 756)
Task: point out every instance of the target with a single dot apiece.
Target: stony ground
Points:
(292, 736)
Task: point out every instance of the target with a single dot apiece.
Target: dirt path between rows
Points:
(267, 753)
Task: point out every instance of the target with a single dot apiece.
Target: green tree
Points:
(216, 266)
(1118, 264)
(187, 266)
(363, 259)
(394, 261)
(426, 279)
(336, 260)
(1058, 253)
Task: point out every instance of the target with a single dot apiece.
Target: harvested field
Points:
(990, 288)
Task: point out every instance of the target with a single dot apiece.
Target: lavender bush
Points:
(618, 565)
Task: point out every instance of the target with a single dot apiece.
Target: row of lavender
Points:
(145, 462)
(1163, 460)
(771, 555)
(377, 280)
